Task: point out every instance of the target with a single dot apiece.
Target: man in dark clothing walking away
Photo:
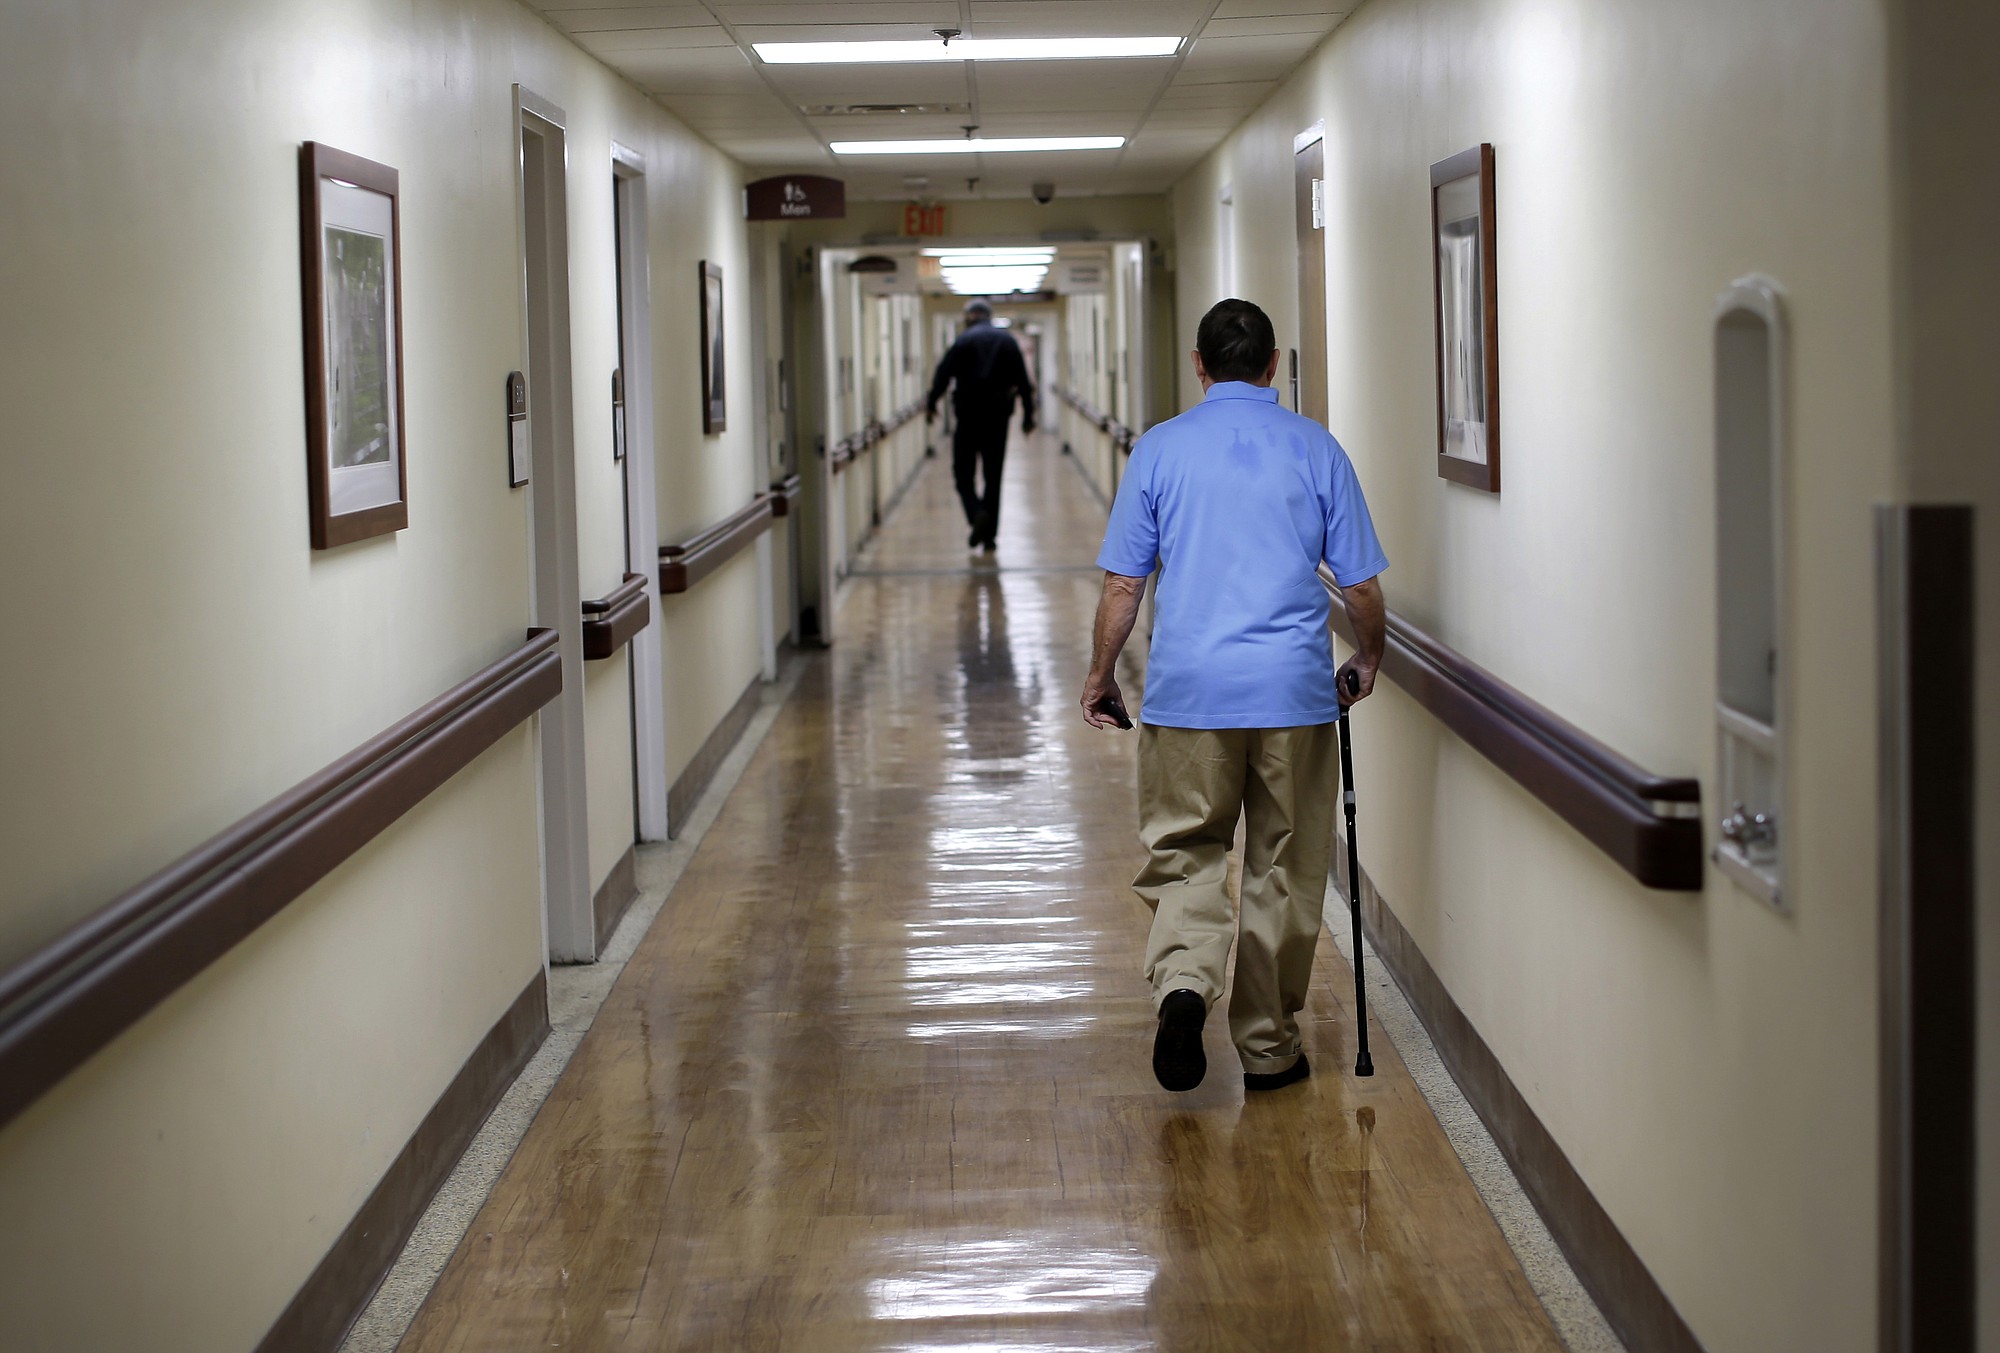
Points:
(986, 367)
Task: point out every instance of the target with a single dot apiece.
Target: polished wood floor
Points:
(878, 1078)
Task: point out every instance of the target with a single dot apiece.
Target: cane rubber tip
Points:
(1364, 1065)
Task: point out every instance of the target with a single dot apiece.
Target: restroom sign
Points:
(923, 219)
(795, 197)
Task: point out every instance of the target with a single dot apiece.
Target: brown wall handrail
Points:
(68, 1000)
(847, 450)
(1649, 823)
(685, 564)
(610, 621)
(785, 492)
(1122, 437)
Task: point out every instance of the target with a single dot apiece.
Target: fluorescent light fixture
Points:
(990, 250)
(995, 283)
(996, 261)
(961, 49)
(977, 145)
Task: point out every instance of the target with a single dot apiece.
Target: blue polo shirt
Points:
(1237, 501)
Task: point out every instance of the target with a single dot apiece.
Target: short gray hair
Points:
(978, 310)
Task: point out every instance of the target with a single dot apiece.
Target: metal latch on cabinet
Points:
(1752, 833)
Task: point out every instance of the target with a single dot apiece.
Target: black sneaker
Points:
(1277, 1080)
(1178, 1061)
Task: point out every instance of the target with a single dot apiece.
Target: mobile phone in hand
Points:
(1114, 709)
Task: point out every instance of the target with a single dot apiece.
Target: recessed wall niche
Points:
(1750, 380)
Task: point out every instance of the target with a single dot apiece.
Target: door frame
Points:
(642, 508)
(1309, 168)
(540, 160)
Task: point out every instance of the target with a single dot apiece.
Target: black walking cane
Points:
(1364, 1065)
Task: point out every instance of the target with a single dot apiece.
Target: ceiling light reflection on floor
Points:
(1010, 1028)
(1000, 993)
(975, 922)
(972, 960)
(1032, 1275)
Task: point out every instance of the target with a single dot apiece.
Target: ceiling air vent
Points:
(870, 109)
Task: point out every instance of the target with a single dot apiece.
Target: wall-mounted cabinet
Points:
(1750, 361)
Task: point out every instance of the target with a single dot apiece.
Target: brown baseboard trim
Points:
(615, 895)
(1611, 1271)
(339, 1289)
(687, 789)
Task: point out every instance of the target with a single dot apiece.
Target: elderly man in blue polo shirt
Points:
(1237, 502)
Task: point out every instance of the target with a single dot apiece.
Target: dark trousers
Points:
(979, 444)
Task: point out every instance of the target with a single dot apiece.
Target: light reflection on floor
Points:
(1032, 1275)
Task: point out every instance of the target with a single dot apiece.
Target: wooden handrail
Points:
(685, 564)
(610, 621)
(847, 450)
(785, 492)
(1122, 437)
(65, 1002)
(1649, 823)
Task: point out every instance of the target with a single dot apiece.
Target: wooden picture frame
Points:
(1465, 291)
(714, 387)
(350, 237)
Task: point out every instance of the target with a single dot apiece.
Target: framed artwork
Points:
(1468, 318)
(714, 404)
(353, 304)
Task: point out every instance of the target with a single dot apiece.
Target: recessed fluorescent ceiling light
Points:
(1009, 261)
(962, 49)
(977, 145)
(993, 251)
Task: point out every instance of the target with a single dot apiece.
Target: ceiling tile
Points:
(614, 43)
(1295, 26)
(871, 84)
(692, 65)
(1253, 9)
(599, 18)
(925, 13)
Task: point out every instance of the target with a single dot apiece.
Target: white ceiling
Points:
(696, 60)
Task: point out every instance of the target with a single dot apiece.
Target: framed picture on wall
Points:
(714, 390)
(1468, 318)
(353, 304)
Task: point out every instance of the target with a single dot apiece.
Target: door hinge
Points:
(1319, 204)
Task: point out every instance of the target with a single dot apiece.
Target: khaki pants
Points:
(1193, 784)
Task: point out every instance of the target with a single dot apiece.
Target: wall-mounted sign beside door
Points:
(517, 429)
(795, 197)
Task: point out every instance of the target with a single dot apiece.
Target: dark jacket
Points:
(986, 367)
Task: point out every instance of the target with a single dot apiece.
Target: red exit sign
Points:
(919, 219)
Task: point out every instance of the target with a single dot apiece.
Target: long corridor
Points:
(878, 1077)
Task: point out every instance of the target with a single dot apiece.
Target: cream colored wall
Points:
(182, 655)
(607, 761)
(1706, 1064)
(709, 655)
(172, 1194)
